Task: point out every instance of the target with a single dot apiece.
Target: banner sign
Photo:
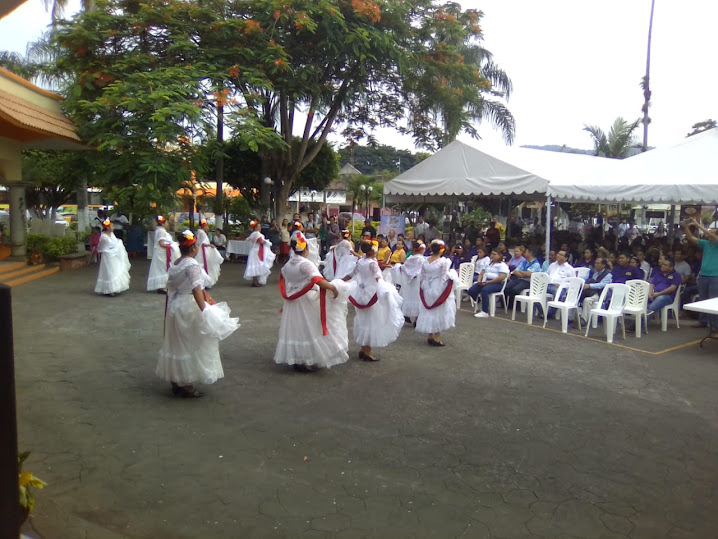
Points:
(334, 196)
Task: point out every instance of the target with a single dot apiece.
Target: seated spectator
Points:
(592, 288)
(559, 272)
(643, 263)
(457, 257)
(517, 258)
(384, 253)
(587, 260)
(621, 271)
(664, 285)
(550, 260)
(504, 252)
(682, 267)
(489, 281)
(482, 261)
(399, 254)
(634, 263)
(469, 249)
(520, 278)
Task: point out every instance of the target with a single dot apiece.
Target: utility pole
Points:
(646, 84)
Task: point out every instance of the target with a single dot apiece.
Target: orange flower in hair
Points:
(160, 218)
(188, 238)
(203, 222)
(346, 234)
(106, 224)
(298, 225)
(253, 223)
(301, 241)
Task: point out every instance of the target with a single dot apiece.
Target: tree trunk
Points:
(647, 84)
(83, 217)
(219, 171)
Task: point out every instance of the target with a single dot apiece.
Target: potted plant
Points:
(27, 481)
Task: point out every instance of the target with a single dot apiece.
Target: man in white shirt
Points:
(119, 222)
(310, 227)
(682, 267)
(420, 228)
(559, 272)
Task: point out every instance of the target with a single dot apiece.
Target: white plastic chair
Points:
(675, 307)
(614, 312)
(637, 303)
(583, 273)
(466, 279)
(536, 294)
(493, 297)
(573, 287)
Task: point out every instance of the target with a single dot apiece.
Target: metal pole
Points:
(548, 225)
(9, 500)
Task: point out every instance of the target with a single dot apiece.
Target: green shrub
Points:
(51, 248)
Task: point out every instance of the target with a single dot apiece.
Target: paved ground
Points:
(508, 431)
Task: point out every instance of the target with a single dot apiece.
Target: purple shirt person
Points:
(622, 272)
(664, 285)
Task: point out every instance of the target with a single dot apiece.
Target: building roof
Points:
(349, 170)
(32, 115)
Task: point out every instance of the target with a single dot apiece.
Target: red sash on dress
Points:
(440, 300)
(168, 250)
(334, 263)
(204, 256)
(260, 241)
(300, 293)
(372, 301)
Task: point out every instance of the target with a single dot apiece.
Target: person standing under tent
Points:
(165, 252)
(207, 254)
(260, 258)
(313, 330)
(378, 319)
(708, 274)
(437, 311)
(193, 326)
(114, 274)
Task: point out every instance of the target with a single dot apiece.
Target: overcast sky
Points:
(572, 62)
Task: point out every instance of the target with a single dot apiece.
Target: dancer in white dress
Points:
(207, 254)
(194, 325)
(378, 318)
(261, 258)
(437, 311)
(341, 259)
(164, 253)
(407, 276)
(114, 274)
(313, 331)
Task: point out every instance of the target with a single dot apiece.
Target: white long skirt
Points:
(411, 304)
(258, 268)
(187, 355)
(158, 267)
(442, 317)
(301, 341)
(379, 325)
(114, 274)
(213, 262)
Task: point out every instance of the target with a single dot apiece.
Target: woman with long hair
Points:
(207, 254)
(437, 311)
(164, 253)
(260, 258)
(114, 274)
(194, 325)
(313, 330)
(378, 318)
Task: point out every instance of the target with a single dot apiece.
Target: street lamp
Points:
(366, 189)
(268, 182)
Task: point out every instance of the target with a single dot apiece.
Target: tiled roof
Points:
(41, 122)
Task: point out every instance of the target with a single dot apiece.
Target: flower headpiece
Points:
(298, 225)
(203, 222)
(187, 238)
(253, 223)
(106, 224)
(422, 247)
(301, 241)
(346, 234)
(373, 242)
(441, 243)
(160, 218)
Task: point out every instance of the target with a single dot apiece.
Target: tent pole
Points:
(548, 225)
(672, 225)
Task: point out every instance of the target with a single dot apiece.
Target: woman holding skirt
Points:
(407, 276)
(437, 311)
(378, 318)
(164, 253)
(341, 259)
(114, 274)
(194, 325)
(260, 258)
(313, 331)
(207, 254)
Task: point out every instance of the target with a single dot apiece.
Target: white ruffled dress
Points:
(301, 341)
(313, 248)
(190, 350)
(407, 276)
(379, 325)
(158, 267)
(208, 257)
(340, 261)
(434, 278)
(256, 267)
(114, 273)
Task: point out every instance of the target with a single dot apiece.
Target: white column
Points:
(548, 225)
(18, 221)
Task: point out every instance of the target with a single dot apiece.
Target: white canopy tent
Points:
(461, 170)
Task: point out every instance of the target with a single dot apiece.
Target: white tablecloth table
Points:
(238, 247)
(708, 306)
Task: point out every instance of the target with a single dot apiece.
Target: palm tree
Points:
(618, 142)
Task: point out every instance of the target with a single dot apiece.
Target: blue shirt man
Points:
(622, 272)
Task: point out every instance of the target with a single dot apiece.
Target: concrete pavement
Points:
(508, 431)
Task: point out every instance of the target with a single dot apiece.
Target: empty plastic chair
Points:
(466, 279)
(675, 307)
(536, 295)
(573, 288)
(614, 311)
(583, 273)
(637, 303)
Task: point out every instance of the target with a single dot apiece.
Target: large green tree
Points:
(376, 159)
